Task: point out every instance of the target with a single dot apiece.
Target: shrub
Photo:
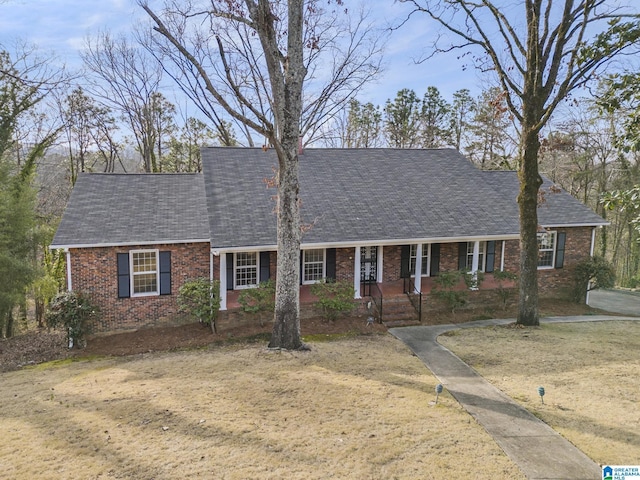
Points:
(334, 298)
(75, 312)
(201, 298)
(592, 273)
(501, 276)
(260, 300)
(472, 281)
(443, 290)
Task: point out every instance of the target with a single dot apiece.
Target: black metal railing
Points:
(372, 290)
(414, 295)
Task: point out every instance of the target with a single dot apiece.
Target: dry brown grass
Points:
(590, 372)
(354, 408)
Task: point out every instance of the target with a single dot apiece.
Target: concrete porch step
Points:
(398, 310)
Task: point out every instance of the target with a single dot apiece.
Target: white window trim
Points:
(133, 274)
(235, 267)
(554, 233)
(324, 266)
(482, 253)
(426, 250)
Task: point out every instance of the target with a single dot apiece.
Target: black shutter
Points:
(462, 256)
(435, 260)
(560, 241)
(301, 266)
(124, 285)
(264, 266)
(165, 273)
(405, 254)
(229, 271)
(330, 258)
(491, 257)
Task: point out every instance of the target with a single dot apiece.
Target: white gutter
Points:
(369, 243)
(129, 244)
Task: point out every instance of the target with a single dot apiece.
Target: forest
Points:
(114, 115)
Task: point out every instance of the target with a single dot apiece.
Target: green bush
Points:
(201, 298)
(260, 300)
(501, 276)
(443, 289)
(334, 298)
(75, 312)
(590, 274)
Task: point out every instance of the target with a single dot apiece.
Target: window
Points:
(246, 269)
(313, 265)
(546, 249)
(144, 272)
(425, 259)
(481, 256)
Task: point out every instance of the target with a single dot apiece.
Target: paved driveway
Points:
(616, 301)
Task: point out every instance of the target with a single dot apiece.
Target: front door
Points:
(368, 264)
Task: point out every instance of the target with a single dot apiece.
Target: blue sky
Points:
(59, 27)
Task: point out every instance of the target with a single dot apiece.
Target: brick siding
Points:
(94, 271)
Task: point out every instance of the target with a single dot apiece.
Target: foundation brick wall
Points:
(94, 271)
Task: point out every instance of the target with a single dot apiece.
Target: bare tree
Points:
(126, 79)
(90, 131)
(251, 60)
(538, 63)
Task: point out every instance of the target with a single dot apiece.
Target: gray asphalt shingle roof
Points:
(108, 209)
(369, 195)
(348, 195)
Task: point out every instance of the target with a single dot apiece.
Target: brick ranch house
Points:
(131, 240)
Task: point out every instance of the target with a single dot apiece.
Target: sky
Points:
(59, 27)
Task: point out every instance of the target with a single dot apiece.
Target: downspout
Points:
(591, 250)
(504, 242)
(67, 254)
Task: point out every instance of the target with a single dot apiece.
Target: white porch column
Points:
(418, 278)
(379, 264)
(476, 257)
(223, 281)
(474, 264)
(356, 273)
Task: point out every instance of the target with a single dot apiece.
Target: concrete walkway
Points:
(539, 451)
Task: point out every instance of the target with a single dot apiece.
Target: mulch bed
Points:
(41, 345)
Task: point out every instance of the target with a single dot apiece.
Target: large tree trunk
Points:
(286, 326)
(530, 182)
(287, 94)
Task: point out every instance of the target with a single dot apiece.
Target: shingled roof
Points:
(371, 195)
(348, 197)
(134, 209)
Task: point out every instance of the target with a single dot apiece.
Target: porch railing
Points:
(372, 290)
(414, 295)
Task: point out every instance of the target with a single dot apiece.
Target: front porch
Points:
(393, 295)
